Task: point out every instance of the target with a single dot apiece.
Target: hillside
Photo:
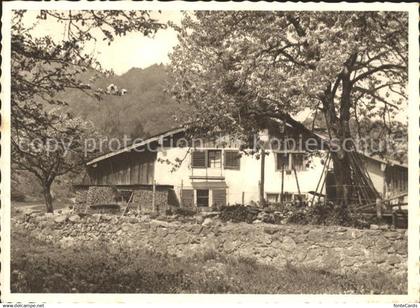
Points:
(144, 110)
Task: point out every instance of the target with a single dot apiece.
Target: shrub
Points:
(238, 213)
(184, 211)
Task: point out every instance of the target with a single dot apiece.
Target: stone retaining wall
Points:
(334, 249)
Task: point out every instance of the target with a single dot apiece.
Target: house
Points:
(209, 172)
(212, 172)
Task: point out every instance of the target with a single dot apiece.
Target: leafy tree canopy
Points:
(238, 67)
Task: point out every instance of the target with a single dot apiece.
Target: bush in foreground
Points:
(41, 268)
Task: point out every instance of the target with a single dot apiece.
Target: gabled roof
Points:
(136, 145)
(289, 122)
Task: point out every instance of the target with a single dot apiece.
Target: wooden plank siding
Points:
(125, 169)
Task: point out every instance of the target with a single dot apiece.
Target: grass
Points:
(38, 267)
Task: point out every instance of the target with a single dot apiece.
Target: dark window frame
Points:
(290, 161)
(226, 161)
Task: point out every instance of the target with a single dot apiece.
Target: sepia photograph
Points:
(186, 150)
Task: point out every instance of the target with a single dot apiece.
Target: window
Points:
(214, 158)
(297, 197)
(298, 161)
(288, 161)
(198, 159)
(202, 197)
(232, 160)
(272, 198)
(287, 197)
(283, 161)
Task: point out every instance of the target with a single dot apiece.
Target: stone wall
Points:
(334, 249)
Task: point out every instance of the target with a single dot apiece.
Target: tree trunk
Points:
(338, 129)
(48, 197)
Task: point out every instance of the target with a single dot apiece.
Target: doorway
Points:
(202, 198)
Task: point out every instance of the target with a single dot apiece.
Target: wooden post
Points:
(297, 184)
(243, 198)
(379, 208)
(282, 183)
(154, 196)
(180, 193)
(262, 201)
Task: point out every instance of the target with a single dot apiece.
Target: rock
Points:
(348, 262)
(106, 217)
(392, 235)
(133, 220)
(400, 247)
(209, 214)
(257, 221)
(229, 246)
(199, 219)
(383, 243)
(207, 222)
(125, 227)
(393, 260)
(60, 219)
(74, 218)
(159, 223)
(356, 234)
(379, 259)
(270, 230)
(374, 227)
(288, 244)
(181, 238)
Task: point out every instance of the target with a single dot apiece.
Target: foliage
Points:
(236, 66)
(183, 212)
(39, 268)
(239, 68)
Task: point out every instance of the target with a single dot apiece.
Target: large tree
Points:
(42, 67)
(240, 68)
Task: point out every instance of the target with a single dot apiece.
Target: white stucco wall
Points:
(376, 174)
(238, 181)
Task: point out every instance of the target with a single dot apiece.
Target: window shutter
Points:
(219, 197)
(187, 198)
(198, 159)
(232, 160)
(283, 161)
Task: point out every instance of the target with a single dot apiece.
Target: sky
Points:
(131, 51)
